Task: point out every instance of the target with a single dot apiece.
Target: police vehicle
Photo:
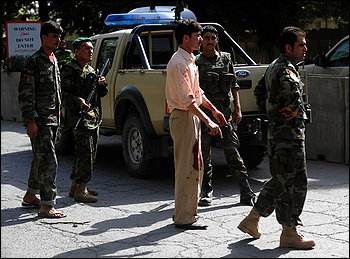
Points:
(139, 45)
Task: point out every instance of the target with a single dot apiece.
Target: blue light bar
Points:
(139, 18)
(145, 15)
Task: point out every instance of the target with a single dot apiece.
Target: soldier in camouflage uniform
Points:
(39, 96)
(282, 91)
(77, 83)
(218, 81)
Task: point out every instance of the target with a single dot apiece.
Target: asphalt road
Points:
(132, 217)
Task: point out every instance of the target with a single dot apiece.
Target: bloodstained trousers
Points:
(185, 131)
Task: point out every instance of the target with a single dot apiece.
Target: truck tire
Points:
(252, 155)
(64, 142)
(135, 143)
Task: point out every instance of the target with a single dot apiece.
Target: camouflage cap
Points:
(79, 40)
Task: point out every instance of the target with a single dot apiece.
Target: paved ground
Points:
(132, 217)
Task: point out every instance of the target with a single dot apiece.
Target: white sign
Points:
(23, 38)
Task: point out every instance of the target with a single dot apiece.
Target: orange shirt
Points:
(182, 84)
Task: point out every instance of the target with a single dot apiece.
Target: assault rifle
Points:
(89, 100)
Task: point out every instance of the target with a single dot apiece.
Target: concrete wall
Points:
(327, 137)
(9, 96)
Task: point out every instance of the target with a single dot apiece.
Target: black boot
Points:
(207, 193)
(206, 199)
(247, 195)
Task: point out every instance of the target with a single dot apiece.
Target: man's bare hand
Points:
(214, 129)
(84, 104)
(288, 113)
(220, 118)
(237, 117)
(32, 129)
(102, 80)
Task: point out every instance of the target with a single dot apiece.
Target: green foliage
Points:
(264, 17)
(267, 18)
(241, 18)
(23, 10)
(2, 64)
(15, 63)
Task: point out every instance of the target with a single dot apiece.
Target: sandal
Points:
(33, 204)
(52, 213)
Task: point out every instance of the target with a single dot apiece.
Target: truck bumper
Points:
(253, 127)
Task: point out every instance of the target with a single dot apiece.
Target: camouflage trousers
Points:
(42, 176)
(229, 143)
(286, 191)
(84, 154)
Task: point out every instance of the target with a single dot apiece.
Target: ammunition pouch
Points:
(211, 82)
(218, 83)
(226, 80)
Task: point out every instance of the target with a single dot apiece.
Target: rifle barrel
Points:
(93, 92)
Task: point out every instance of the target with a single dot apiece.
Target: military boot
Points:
(207, 192)
(72, 190)
(81, 194)
(292, 239)
(250, 223)
(206, 199)
(247, 196)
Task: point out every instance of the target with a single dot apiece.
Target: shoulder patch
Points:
(28, 79)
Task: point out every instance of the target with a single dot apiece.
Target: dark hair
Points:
(50, 27)
(186, 27)
(289, 35)
(209, 28)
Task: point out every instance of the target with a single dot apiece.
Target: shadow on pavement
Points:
(149, 238)
(242, 249)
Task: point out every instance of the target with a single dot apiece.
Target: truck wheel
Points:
(64, 142)
(251, 155)
(134, 146)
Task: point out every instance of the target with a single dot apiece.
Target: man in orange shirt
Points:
(184, 97)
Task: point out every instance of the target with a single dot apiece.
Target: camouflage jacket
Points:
(217, 79)
(39, 92)
(77, 83)
(281, 86)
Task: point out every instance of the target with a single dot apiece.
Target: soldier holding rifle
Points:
(78, 79)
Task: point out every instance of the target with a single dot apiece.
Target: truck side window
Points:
(159, 48)
(132, 58)
(162, 50)
(340, 57)
(107, 50)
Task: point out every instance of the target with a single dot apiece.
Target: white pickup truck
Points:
(139, 45)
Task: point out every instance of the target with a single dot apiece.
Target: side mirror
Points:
(320, 60)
